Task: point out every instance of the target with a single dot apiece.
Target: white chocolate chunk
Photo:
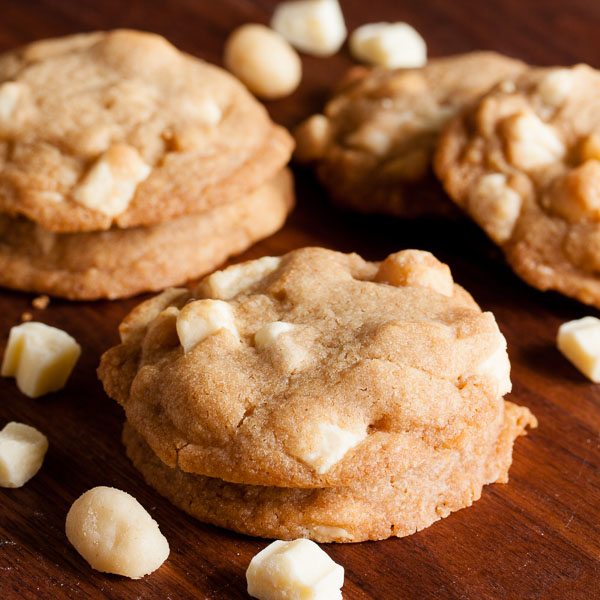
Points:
(497, 366)
(297, 570)
(332, 533)
(10, 94)
(110, 184)
(230, 282)
(391, 45)
(531, 143)
(370, 138)
(201, 318)
(269, 333)
(22, 451)
(313, 26)
(263, 60)
(328, 445)
(40, 358)
(115, 534)
(556, 86)
(495, 206)
(579, 341)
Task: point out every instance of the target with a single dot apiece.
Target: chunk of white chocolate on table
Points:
(111, 182)
(579, 341)
(416, 268)
(391, 45)
(313, 26)
(297, 570)
(327, 445)
(201, 318)
(22, 452)
(229, 282)
(115, 534)
(40, 358)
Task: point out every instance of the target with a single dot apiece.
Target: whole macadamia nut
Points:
(263, 60)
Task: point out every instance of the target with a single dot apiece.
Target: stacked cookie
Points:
(516, 147)
(126, 165)
(317, 395)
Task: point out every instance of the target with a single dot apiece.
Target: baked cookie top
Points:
(313, 369)
(376, 136)
(120, 128)
(524, 163)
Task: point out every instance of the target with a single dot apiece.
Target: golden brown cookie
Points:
(397, 505)
(524, 163)
(314, 369)
(124, 262)
(374, 142)
(121, 129)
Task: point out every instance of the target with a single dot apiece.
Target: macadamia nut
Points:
(263, 60)
(115, 534)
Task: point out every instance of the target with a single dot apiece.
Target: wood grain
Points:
(536, 538)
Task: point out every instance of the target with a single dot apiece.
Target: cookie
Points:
(121, 129)
(315, 369)
(374, 142)
(124, 262)
(398, 505)
(524, 163)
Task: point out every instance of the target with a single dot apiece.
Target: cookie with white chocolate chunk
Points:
(311, 370)
(374, 142)
(122, 129)
(524, 163)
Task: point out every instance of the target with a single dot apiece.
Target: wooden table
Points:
(536, 538)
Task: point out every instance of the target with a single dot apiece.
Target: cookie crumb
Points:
(41, 303)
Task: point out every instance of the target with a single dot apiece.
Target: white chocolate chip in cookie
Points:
(391, 45)
(531, 143)
(326, 445)
(297, 570)
(555, 87)
(269, 333)
(115, 533)
(371, 139)
(495, 206)
(230, 282)
(313, 26)
(331, 532)
(416, 268)
(40, 358)
(22, 452)
(497, 366)
(579, 341)
(110, 184)
(263, 60)
(10, 94)
(201, 318)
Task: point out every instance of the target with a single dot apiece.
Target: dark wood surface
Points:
(537, 537)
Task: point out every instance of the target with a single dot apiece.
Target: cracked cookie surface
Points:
(314, 369)
(124, 262)
(524, 163)
(375, 139)
(122, 129)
